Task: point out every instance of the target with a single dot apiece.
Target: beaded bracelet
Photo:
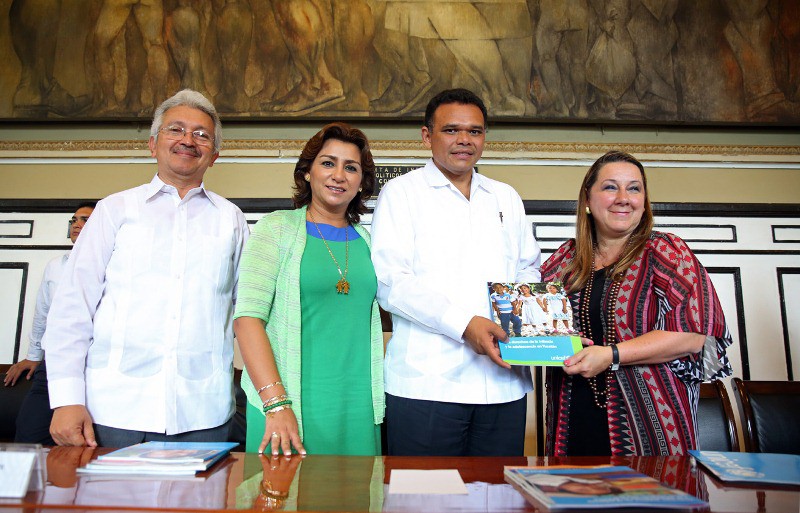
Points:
(265, 387)
(274, 406)
(277, 404)
(271, 412)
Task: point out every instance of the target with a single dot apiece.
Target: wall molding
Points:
(736, 275)
(6, 228)
(785, 312)
(408, 148)
(738, 246)
(19, 266)
(532, 207)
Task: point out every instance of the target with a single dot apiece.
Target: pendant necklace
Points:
(342, 286)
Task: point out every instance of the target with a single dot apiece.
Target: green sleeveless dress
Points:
(337, 389)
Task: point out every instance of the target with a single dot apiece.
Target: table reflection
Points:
(311, 483)
(481, 497)
(65, 486)
(359, 484)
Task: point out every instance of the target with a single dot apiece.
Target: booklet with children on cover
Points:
(167, 458)
(584, 487)
(538, 320)
(751, 468)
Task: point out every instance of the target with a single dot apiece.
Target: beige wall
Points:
(258, 180)
(723, 165)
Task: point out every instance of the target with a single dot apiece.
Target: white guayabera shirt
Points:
(140, 330)
(434, 252)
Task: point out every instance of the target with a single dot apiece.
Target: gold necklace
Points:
(342, 286)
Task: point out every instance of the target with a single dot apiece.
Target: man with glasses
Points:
(33, 420)
(140, 338)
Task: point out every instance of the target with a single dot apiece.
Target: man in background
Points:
(139, 339)
(33, 419)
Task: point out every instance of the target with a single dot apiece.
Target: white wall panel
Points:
(725, 283)
(756, 247)
(12, 278)
(789, 280)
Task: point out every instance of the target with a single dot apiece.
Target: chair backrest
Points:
(715, 425)
(10, 402)
(770, 414)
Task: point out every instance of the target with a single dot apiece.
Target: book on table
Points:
(751, 468)
(160, 458)
(595, 487)
(538, 320)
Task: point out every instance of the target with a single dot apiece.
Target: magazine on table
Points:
(751, 468)
(108, 477)
(538, 320)
(160, 458)
(595, 487)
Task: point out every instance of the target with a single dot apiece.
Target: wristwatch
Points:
(614, 357)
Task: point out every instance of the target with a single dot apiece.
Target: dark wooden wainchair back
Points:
(770, 414)
(715, 424)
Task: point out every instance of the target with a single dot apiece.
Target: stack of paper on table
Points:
(159, 458)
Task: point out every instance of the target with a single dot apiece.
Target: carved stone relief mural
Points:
(664, 61)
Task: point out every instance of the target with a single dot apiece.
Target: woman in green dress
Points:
(306, 318)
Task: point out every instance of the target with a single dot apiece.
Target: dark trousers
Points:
(431, 428)
(509, 321)
(117, 437)
(33, 420)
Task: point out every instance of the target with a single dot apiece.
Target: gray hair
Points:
(195, 100)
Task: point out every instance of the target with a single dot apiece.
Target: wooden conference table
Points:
(339, 483)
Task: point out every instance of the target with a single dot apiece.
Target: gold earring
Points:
(308, 178)
(588, 211)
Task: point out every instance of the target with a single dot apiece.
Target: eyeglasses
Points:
(176, 133)
(82, 219)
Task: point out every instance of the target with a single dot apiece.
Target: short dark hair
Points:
(462, 96)
(348, 134)
(86, 204)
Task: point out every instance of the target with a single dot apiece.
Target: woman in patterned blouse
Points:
(652, 325)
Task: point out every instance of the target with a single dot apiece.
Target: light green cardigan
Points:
(269, 289)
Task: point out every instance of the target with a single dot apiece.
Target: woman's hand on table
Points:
(281, 430)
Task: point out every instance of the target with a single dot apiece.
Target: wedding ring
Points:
(275, 435)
